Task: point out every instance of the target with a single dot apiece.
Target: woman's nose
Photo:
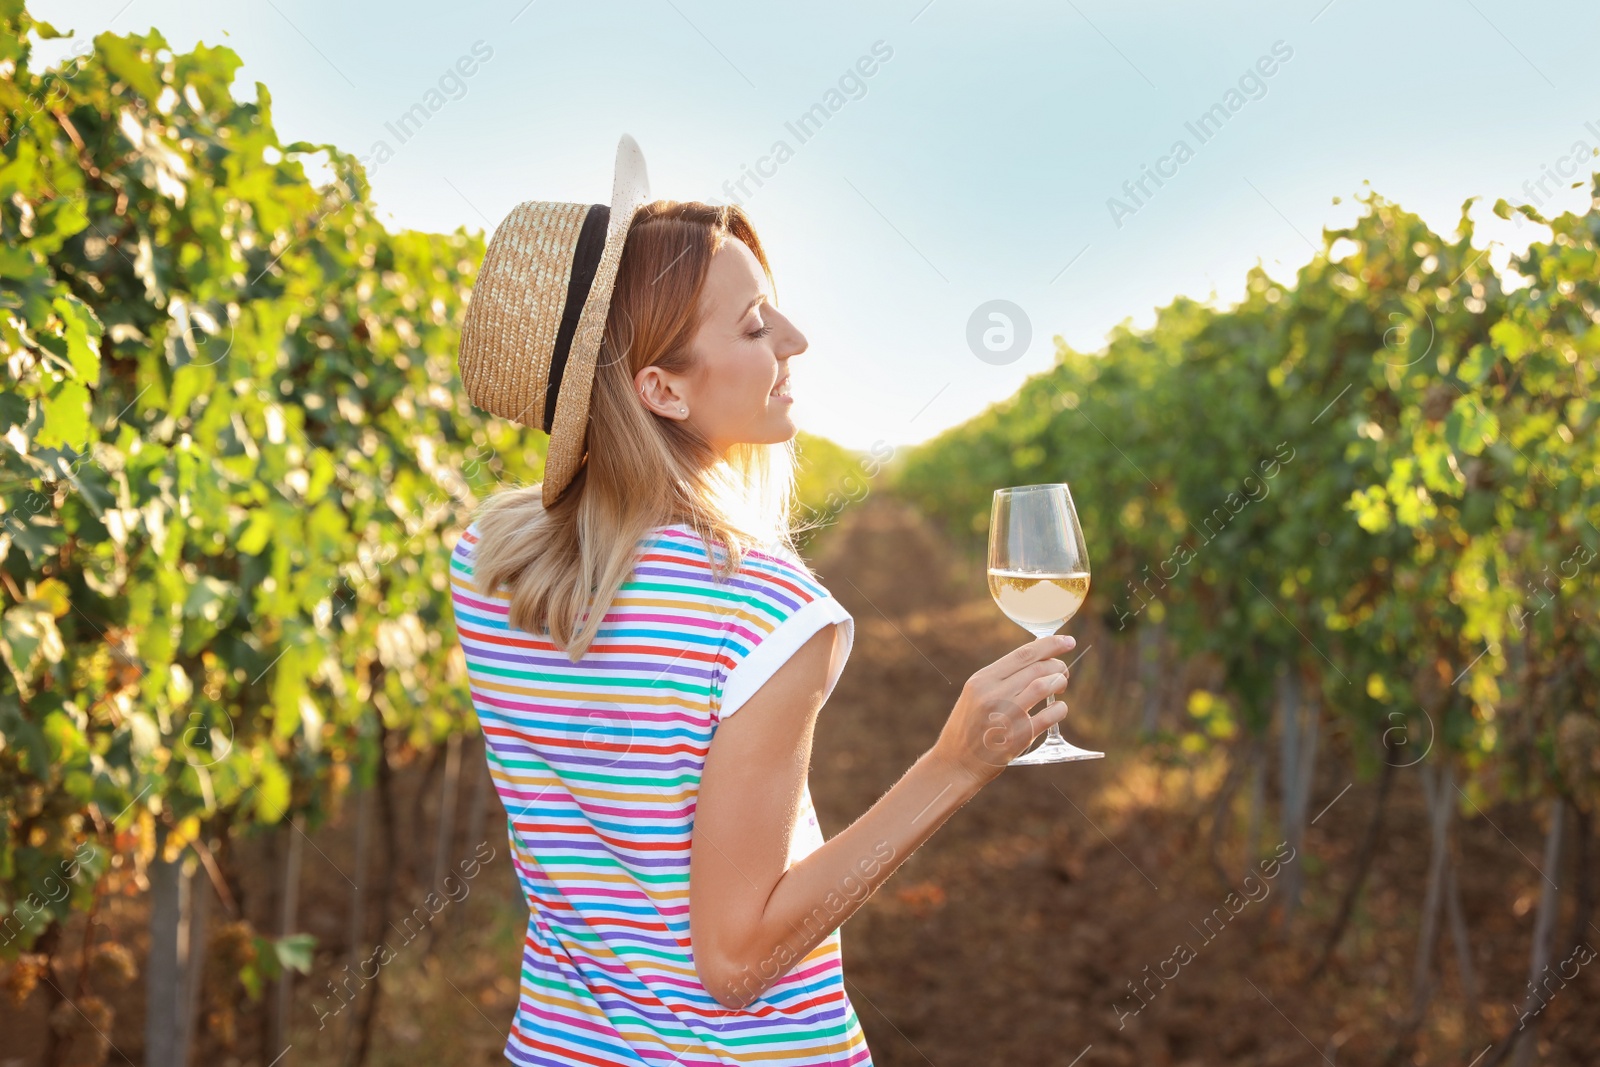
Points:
(797, 341)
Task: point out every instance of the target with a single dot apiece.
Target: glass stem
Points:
(1053, 733)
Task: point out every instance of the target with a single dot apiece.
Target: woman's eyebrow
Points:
(759, 297)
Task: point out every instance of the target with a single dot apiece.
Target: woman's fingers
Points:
(1015, 728)
(1037, 649)
(1048, 715)
(990, 724)
(1030, 684)
(1041, 687)
(1042, 668)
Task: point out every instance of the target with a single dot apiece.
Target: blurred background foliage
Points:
(232, 456)
(1383, 475)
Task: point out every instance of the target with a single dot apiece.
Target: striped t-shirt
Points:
(598, 764)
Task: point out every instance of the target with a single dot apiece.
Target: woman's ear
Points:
(660, 394)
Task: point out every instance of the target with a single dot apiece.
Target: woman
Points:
(648, 655)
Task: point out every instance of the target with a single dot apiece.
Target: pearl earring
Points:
(683, 411)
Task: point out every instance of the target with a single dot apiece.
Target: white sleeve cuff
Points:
(764, 660)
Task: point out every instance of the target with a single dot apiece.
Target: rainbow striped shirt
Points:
(598, 764)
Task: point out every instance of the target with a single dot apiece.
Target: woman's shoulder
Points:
(467, 540)
(463, 555)
(678, 554)
(767, 565)
(462, 566)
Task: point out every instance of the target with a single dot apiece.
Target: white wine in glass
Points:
(1039, 575)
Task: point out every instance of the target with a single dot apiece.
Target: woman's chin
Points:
(778, 429)
(786, 428)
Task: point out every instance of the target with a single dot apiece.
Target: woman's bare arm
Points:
(751, 915)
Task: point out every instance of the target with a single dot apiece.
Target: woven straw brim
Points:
(515, 310)
(569, 431)
(520, 302)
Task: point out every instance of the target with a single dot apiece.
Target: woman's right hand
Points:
(990, 725)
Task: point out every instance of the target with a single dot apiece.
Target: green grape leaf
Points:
(66, 417)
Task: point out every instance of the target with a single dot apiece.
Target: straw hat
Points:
(532, 332)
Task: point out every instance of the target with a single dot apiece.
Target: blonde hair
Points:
(562, 566)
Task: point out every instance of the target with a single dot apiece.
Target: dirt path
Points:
(996, 942)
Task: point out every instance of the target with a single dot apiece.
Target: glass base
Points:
(1055, 750)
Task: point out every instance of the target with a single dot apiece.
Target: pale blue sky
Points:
(975, 163)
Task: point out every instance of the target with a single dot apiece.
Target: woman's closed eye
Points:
(761, 332)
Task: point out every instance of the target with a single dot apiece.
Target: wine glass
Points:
(1039, 575)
